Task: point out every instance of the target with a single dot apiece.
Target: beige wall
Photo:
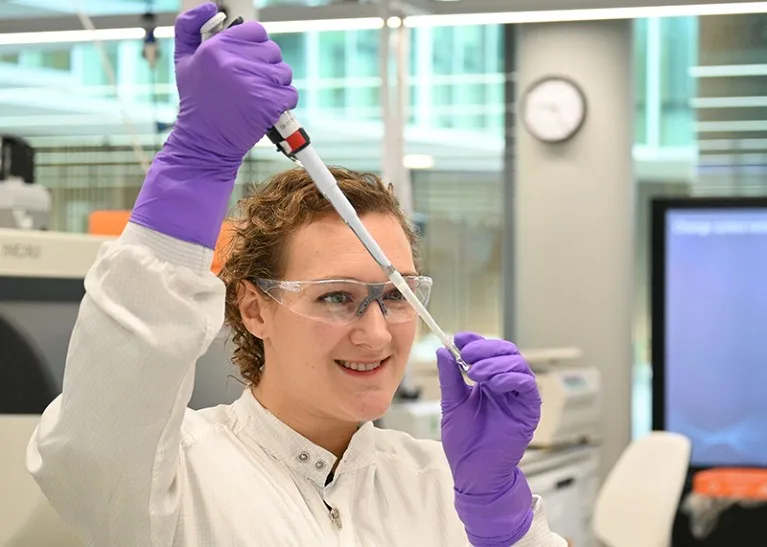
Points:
(574, 214)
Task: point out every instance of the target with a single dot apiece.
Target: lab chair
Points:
(26, 517)
(638, 501)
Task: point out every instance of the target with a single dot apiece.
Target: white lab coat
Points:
(126, 463)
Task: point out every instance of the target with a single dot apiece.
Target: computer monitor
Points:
(709, 326)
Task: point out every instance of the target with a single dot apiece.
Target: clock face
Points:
(553, 109)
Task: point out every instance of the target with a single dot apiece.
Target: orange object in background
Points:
(735, 483)
(112, 223)
(107, 223)
(222, 245)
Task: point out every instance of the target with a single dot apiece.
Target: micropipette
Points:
(292, 141)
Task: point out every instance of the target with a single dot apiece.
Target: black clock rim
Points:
(548, 78)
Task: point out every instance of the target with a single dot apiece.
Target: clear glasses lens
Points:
(345, 301)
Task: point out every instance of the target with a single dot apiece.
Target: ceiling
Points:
(18, 9)
(103, 119)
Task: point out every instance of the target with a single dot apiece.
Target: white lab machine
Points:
(41, 285)
(571, 398)
(570, 391)
(567, 437)
(568, 481)
(420, 418)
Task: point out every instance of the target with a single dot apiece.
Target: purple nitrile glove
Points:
(486, 429)
(232, 89)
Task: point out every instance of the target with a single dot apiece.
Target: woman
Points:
(322, 340)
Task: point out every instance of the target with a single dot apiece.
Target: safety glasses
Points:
(342, 301)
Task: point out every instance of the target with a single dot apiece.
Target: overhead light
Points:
(727, 71)
(310, 25)
(319, 25)
(70, 36)
(596, 14)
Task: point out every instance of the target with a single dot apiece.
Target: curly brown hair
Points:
(260, 234)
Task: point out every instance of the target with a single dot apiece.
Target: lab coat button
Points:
(319, 464)
(335, 516)
(303, 457)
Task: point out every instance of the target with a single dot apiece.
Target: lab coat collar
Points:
(255, 424)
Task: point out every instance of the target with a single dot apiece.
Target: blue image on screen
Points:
(716, 334)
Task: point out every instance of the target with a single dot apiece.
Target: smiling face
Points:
(304, 358)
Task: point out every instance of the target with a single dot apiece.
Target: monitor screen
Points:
(710, 327)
